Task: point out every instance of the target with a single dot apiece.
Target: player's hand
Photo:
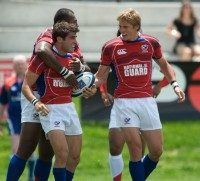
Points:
(156, 90)
(76, 65)
(71, 80)
(41, 109)
(180, 94)
(107, 98)
(89, 92)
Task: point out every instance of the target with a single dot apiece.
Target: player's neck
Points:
(58, 50)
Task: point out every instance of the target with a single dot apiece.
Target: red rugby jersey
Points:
(47, 36)
(131, 63)
(51, 86)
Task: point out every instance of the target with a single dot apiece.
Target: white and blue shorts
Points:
(62, 117)
(29, 114)
(141, 113)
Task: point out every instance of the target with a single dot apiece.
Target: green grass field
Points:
(180, 160)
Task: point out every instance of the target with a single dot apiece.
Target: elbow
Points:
(43, 49)
(40, 51)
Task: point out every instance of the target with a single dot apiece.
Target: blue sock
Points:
(59, 174)
(69, 175)
(15, 168)
(42, 170)
(31, 166)
(149, 165)
(136, 170)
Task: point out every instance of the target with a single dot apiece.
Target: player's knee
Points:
(156, 154)
(25, 152)
(115, 149)
(75, 159)
(62, 155)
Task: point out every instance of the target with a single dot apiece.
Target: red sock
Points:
(118, 177)
(37, 179)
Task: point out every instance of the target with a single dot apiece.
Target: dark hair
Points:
(62, 29)
(63, 14)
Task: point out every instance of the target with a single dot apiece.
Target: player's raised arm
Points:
(44, 51)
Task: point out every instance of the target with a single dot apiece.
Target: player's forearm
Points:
(44, 51)
(29, 80)
(87, 68)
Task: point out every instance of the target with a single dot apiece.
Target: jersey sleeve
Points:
(36, 65)
(45, 36)
(157, 50)
(105, 56)
(4, 96)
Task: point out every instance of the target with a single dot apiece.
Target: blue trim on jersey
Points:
(68, 55)
(40, 83)
(115, 75)
(139, 39)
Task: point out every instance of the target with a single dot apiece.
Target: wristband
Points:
(174, 84)
(65, 72)
(34, 101)
(82, 67)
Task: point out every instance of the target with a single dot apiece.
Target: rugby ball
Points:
(85, 79)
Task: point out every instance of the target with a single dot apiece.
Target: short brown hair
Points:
(62, 29)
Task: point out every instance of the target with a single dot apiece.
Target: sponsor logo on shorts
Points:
(57, 124)
(127, 120)
(36, 116)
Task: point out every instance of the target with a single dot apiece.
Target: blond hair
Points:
(130, 16)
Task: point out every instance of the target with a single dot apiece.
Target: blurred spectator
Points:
(185, 29)
(10, 98)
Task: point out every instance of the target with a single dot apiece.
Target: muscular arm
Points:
(168, 71)
(30, 79)
(87, 68)
(101, 75)
(44, 51)
(100, 78)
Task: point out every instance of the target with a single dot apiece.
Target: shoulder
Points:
(45, 35)
(150, 38)
(112, 42)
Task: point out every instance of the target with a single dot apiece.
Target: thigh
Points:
(29, 138)
(44, 148)
(134, 143)
(75, 145)
(154, 139)
(58, 142)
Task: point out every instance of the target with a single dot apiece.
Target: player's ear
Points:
(59, 39)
